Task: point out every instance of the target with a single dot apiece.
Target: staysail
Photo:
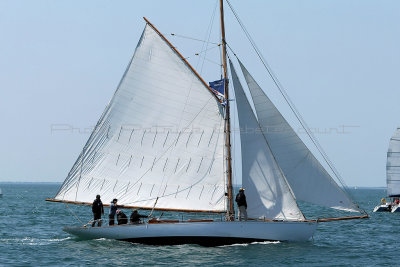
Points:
(159, 143)
(393, 165)
(308, 179)
(267, 191)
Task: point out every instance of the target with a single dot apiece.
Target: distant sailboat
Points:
(1, 193)
(392, 176)
(163, 143)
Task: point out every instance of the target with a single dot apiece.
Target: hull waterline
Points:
(202, 233)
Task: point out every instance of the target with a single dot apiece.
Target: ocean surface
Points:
(31, 235)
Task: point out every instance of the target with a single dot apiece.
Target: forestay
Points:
(308, 179)
(393, 165)
(162, 135)
(267, 192)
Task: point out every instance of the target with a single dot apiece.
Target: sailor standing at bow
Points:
(242, 204)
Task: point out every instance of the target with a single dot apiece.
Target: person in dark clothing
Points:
(135, 217)
(121, 217)
(97, 209)
(242, 204)
(113, 211)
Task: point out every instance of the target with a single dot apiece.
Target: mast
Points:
(231, 211)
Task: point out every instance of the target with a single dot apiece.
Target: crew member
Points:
(113, 210)
(97, 209)
(242, 204)
(121, 217)
(135, 217)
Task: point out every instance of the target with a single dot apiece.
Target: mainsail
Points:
(160, 141)
(393, 165)
(308, 179)
(268, 194)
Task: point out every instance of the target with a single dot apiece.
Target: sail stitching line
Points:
(181, 117)
(167, 150)
(188, 94)
(99, 122)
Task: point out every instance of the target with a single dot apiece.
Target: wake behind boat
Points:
(164, 143)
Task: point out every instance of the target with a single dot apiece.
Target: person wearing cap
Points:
(242, 204)
(121, 217)
(135, 217)
(113, 211)
(97, 209)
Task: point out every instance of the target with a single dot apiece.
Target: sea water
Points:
(31, 235)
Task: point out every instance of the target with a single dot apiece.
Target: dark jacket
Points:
(97, 207)
(113, 209)
(122, 218)
(241, 199)
(135, 217)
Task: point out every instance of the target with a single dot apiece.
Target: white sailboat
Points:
(163, 143)
(392, 176)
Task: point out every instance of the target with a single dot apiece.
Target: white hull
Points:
(387, 208)
(203, 233)
(382, 208)
(396, 208)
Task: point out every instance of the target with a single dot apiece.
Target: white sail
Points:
(162, 136)
(308, 179)
(393, 165)
(267, 192)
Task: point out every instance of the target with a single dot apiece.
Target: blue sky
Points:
(60, 62)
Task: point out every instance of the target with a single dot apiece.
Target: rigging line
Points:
(291, 104)
(73, 213)
(230, 48)
(209, 33)
(211, 61)
(220, 60)
(191, 38)
(208, 49)
(191, 84)
(151, 213)
(221, 56)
